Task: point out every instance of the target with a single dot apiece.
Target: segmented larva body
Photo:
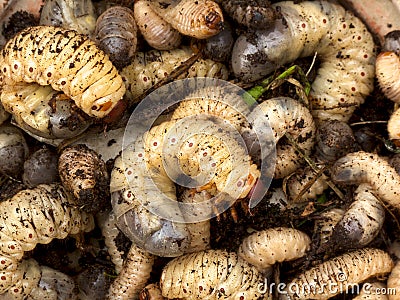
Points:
(373, 291)
(151, 292)
(362, 221)
(298, 180)
(211, 274)
(342, 41)
(264, 248)
(43, 112)
(254, 14)
(134, 275)
(67, 61)
(288, 116)
(196, 18)
(69, 14)
(108, 226)
(84, 174)
(116, 35)
(36, 216)
(148, 68)
(393, 281)
(129, 199)
(363, 167)
(325, 225)
(200, 231)
(157, 32)
(347, 269)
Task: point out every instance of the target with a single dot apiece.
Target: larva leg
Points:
(265, 248)
(362, 222)
(134, 275)
(363, 167)
(350, 268)
(151, 292)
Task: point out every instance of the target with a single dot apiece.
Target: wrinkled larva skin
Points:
(363, 167)
(78, 15)
(200, 19)
(108, 226)
(13, 151)
(151, 292)
(324, 226)
(42, 111)
(37, 216)
(157, 32)
(254, 14)
(264, 248)
(211, 274)
(350, 268)
(158, 236)
(362, 221)
(133, 277)
(394, 281)
(297, 181)
(84, 174)
(286, 115)
(148, 68)
(116, 35)
(372, 291)
(41, 167)
(200, 231)
(343, 44)
(69, 62)
(219, 46)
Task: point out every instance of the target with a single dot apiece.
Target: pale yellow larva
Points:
(67, 61)
(341, 271)
(324, 226)
(264, 248)
(197, 18)
(393, 282)
(157, 32)
(373, 291)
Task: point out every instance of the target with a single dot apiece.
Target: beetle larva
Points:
(69, 14)
(362, 221)
(129, 200)
(42, 111)
(37, 215)
(339, 272)
(264, 248)
(347, 70)
(211, 274)
(151, 292)
(363, 167)
(196, 18)
(157, 32)
(219, 46)
(108, 225)
(13, 151)
(199, 231)
(116, 35)
(287, 116)
(253, 14)
(67, 61)
(324, 226)
(134, 275)
(83, 173)
(41, 167)
(148, 68)
(393, 282)
(373, 291)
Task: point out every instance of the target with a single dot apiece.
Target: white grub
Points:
(373, 291)
(157, 32)
(393, 282)
(211, 274)
(264, 248)
(347, 269)
(134, 275)
(328, 220)
(363, 167)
